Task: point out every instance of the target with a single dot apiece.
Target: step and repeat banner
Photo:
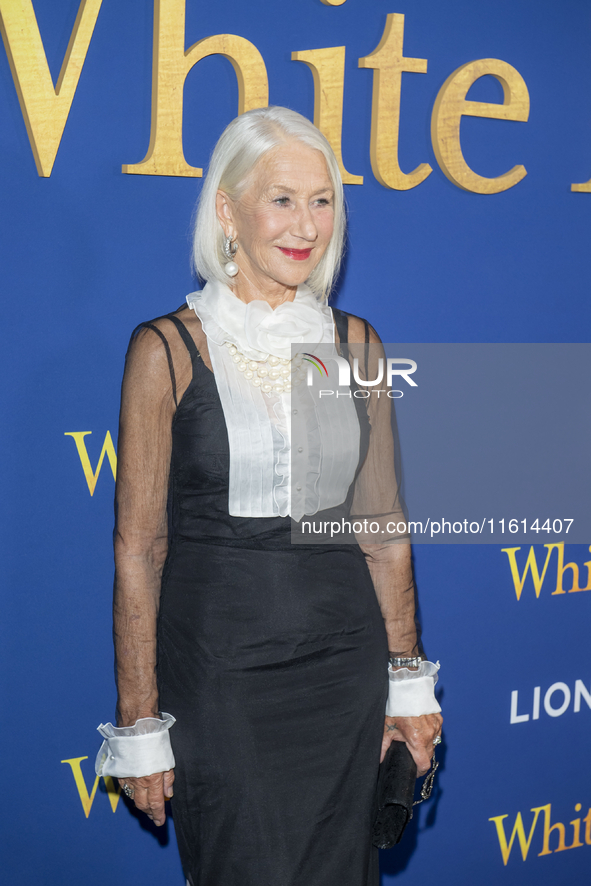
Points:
(463, 133)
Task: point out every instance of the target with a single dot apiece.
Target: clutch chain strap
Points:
(427, 787)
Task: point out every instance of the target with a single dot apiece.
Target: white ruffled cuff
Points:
(135, 751)
(412, 693)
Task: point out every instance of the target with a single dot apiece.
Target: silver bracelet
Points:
(397, 662)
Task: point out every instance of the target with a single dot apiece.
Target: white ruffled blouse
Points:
(259, 424)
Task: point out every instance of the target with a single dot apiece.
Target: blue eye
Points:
(282, 201)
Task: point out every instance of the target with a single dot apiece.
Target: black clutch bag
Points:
(395, 794)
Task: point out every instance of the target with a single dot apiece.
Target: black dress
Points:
(273, 659)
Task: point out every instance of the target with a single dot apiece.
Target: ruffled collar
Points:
(255, 328)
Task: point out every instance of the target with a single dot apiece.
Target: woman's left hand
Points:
(418, 733)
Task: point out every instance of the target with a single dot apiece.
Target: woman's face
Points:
(284, 220)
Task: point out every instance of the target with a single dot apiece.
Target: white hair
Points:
(240, 147)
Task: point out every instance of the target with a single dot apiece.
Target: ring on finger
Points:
(128, 791)
(437, 740)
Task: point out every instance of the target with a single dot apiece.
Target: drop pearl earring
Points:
(231, 268)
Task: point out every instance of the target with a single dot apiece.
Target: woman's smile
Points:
(297, 254)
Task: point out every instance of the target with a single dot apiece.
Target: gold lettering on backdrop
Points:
(171, 64)
(518, 831)
(388, 63)
(108, 450)
(332, 2)
(585, 188)
(45, 108)
(328, 71)
(530, 565)
(113, 791)
(576, 830)
(548, 828)
(559, 827)
(451, 105)
(561, 569)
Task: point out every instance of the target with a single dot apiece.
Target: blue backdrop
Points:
(89, 252)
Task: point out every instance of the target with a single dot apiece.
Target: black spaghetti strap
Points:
(341, 319)
(366, 348)
(186, 337)
(168, 355)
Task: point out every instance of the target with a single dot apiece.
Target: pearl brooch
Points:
(273, 375)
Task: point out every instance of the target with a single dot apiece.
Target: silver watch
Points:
(405, 662)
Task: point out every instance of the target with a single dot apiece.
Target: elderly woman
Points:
(268, 659)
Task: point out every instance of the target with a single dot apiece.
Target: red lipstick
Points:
(296, 254)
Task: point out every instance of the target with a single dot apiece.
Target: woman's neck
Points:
(273, 293)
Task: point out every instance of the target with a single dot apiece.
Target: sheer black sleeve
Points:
(140, 538)
(377, 499)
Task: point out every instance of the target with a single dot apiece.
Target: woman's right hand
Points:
(150, 793)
